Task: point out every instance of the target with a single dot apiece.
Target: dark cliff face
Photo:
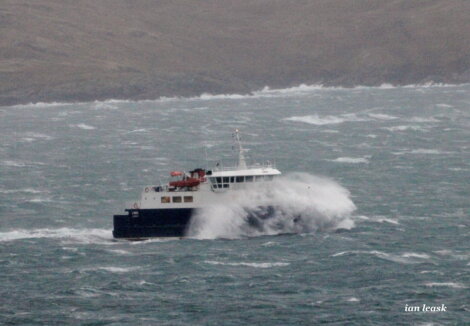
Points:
(56, 50)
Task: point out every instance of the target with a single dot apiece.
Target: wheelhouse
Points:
(229, 181)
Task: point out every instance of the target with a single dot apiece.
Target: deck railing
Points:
(265, 165)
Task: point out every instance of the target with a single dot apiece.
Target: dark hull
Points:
(150, 223)
(141, 224)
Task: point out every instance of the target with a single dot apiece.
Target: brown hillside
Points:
(56, 50)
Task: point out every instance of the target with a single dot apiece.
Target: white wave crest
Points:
(453, 285)
(423, 119)
(297, 203)
(14, 164)
(317, 120)
(382, 116)
(255, 265)
(42, 105)
(353, 160)
(65, 233)
(85, 126)
(113, 269)
(25, 190)
(34, 136)
(444, 105)
(415, 255)
(382, 219)
(405, 128)
(353, 299)
(266, 92)
(425, 151)
(405, 258)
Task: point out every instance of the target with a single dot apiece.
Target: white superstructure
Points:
(200, 188)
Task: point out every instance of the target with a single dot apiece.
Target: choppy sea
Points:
(388, 235)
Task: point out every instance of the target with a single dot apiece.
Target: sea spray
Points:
(296, 203)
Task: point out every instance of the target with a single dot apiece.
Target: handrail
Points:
(236, 168)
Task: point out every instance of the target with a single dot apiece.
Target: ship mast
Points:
(241, 156)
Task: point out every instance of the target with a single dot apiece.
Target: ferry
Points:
(166, 210)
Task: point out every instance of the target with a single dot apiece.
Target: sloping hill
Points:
(56, 50)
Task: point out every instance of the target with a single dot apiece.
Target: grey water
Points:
(401, 156)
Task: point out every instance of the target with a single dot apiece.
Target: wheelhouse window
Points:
(226, 179)
(268, 177)
(188, 199)
(177, 199)
(232, 179)
(165, 199)
(240, 179)
(249, 178)
(259, 178)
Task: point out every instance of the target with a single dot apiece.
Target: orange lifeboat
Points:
(189, 182)
(176, 173)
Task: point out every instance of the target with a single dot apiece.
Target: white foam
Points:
(422, 119)
(315, 119)
(415, 255)
(40, 200)
(269, 244)
(137, 131)
(26, 190)
(13, 163)
(444, 105)
(353, 299)
(303, 203)
(120, 252)
(404, 128)
(341, 253)
(107, 105)
(255, 265)
(113, 269)
(391, 257)
(405, 258)
(381, 219)
(425, 151)
(265, 92)
(41, 105)
(382, 116)
(33, 136)
(85, 126)
(353, 160)
(66, 233)
(449, 253)
(453, 285)
(304, 89)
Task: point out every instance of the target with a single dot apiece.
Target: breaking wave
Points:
(353, 160)
(255, 265)
(265, 92)
(85, 126)
(404, 258)
(297, 203)
(315, 119)
(453, 285)
(81, 235)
